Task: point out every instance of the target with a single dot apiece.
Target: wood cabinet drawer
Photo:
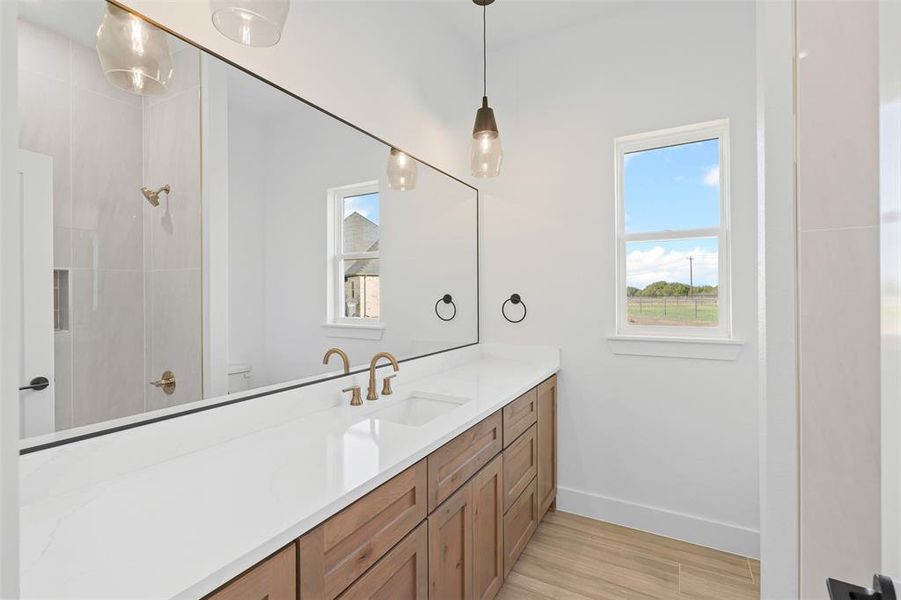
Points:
(520, 465)
(273, 579)
(519, 415)
(519, 525)
(402, 574)
(451, 465)
(337, 552)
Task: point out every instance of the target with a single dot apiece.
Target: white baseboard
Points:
(688, 528)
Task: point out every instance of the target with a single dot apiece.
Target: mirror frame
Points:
(26, 448)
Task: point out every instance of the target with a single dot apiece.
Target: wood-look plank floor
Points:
(576, 558)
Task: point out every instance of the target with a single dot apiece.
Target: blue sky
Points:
(367, 205)
(672, 188)
(669, 189)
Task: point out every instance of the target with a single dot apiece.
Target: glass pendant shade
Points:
(134, 54)
(486, 154)
(401, 171)
(250, 22)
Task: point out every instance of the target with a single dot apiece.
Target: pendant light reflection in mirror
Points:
(134, 54)
(401, 171)
(250, 22)
(485, 155)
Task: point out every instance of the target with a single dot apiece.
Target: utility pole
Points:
(691, 283)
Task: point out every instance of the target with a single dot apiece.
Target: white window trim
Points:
(340, 325)
(632, 335)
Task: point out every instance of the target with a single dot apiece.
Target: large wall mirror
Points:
(192, 232)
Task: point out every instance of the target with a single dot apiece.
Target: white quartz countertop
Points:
(177, 508)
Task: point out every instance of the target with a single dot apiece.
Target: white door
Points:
(35, 178)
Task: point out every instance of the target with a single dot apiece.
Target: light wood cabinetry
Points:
(547, 443)
(519, 525)
(451, 465)
(466, 539)
(335, 553)
(519, 415)
(450, 547)
(520, 466)
(273, 579)
(402, 574)
(448, 528)
(488, 530)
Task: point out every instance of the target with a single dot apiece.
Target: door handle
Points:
(37, 384)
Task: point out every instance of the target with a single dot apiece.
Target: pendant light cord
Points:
(484, 50)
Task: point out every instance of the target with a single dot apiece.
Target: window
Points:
(354, 269)
(672, 214)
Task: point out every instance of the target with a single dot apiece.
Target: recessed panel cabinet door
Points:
(450, 548)
(402, 574)
(273, 579)
(488, 530)
(547, 443)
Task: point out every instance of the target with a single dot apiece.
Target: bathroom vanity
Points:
(300, 495)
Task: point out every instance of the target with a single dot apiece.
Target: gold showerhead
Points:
(153, 196)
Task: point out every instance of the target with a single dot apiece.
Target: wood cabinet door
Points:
(336, 553)
(520, 523)
(520, 465)
(273, 579)
(450, 548)
(547, 443)
(488, 530)
(402, 574)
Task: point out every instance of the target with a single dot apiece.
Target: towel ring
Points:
(514, 299)
(447, 299)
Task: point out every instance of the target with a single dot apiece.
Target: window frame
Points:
(652, 140)
(337, 256)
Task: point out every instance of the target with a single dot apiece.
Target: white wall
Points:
(284, 157)
(890, 255)
(838, 221)
(664, 444)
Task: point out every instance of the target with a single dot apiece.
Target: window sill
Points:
(675, 347)
(360, 331)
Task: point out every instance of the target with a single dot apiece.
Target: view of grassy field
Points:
(679, 310)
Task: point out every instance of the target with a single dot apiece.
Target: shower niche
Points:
(199, 221)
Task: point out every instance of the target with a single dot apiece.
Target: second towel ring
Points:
(514, 299)
(447, 299)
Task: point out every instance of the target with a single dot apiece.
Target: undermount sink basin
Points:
(418, 409)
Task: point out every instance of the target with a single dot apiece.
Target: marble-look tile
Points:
(62, 390)
(88, 74)
(840, 421)
(173, 156)
(108, 345)
(106, 183)
(44, 107)
(840, 45)
(175, 332)
(62, 247)
(42, 51)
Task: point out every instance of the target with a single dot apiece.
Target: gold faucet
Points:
(371, 394)
(340, 353)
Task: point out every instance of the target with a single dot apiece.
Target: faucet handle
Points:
(355, 398)
(386, 385)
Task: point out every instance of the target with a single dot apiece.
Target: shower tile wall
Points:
(134, 310)
(172, 259)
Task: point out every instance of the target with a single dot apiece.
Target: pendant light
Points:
(250, 22)
(134, 54)
(486, 154)
(401, 171)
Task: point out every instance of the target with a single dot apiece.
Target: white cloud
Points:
(712, 176)
(659, 264)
